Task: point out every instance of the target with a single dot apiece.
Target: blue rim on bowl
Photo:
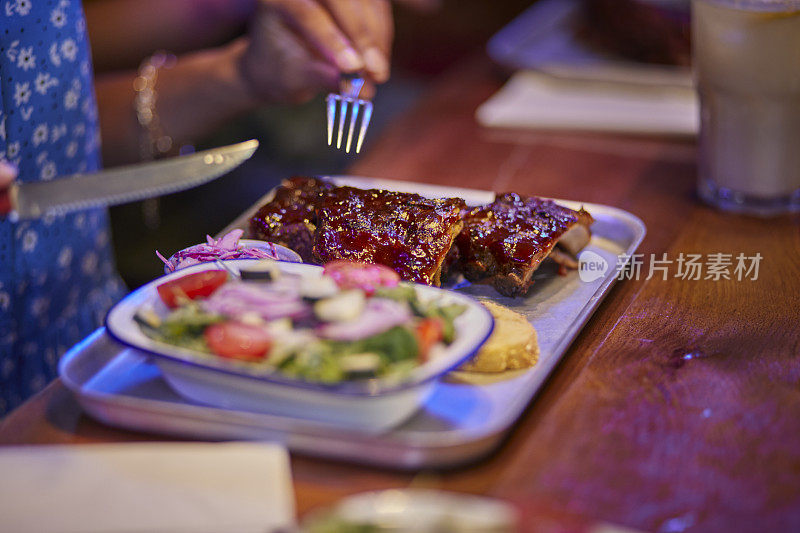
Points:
(117, 325)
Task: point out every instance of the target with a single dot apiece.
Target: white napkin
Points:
(169, 487)
(540, 101)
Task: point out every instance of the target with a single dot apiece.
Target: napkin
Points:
(536, 100)
(164, 487)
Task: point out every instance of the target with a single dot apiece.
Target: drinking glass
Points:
(747, 68)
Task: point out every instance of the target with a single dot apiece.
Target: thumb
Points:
(8, 173)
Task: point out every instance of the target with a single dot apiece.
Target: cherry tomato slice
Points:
(191, 286)
(429, 332)
(364, 276)
(235, 340)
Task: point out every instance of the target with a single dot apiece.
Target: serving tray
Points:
(466, 416)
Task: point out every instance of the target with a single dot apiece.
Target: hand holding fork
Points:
(296, 48)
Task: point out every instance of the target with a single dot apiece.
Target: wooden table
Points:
(677, 407)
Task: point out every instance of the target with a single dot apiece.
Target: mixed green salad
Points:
(355, 321)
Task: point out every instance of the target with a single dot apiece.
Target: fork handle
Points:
(350, 86)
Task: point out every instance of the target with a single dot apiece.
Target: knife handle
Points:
(8, 173)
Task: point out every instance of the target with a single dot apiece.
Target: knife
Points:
(121, 184)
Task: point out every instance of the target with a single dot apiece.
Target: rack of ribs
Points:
(404, 231)
(504, 242)
(501, 243)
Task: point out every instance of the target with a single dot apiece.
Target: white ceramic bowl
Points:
(368, 405)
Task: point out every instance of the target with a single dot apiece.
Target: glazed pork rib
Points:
(504, 242)
(501, 243)
(404, 231)
(290, 218)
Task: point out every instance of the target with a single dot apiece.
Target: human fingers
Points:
(316, 25)
(368, 25)
(380, 20)
(367, 90)
(277, 64)
(8, 173)
(319, 74)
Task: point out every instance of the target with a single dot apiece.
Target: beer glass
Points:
(746, 57)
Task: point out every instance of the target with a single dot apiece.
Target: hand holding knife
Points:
(117, 185)
(8, 173)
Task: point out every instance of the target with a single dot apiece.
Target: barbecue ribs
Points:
(289, 219)
(501, 243)
(404, 231)
(504, 242)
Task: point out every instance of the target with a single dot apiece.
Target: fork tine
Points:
(331, 100)
(364, 123)
(342, 115)
(353, 119)
(349, 89)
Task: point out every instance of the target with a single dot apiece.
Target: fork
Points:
(348, 100)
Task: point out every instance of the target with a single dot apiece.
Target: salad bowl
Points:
(371, 405)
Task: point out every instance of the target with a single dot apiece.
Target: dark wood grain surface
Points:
(678, 406)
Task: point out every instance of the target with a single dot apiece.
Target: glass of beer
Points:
(747, 67)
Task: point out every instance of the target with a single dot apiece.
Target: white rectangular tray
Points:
(465, 418)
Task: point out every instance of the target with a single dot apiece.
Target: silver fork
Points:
(348, 100)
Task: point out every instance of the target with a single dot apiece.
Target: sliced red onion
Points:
(229, 241)
(165, 260)
(379, 315)
(235, 299)
(225, 248)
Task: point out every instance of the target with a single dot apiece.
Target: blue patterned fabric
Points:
(57, 276)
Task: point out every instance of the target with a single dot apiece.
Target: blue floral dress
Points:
(57, 276)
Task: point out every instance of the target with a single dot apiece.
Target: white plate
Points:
(372, 405)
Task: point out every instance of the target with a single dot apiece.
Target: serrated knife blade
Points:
(125, 184)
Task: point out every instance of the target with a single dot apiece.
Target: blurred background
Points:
(293, 138)
(578, 65)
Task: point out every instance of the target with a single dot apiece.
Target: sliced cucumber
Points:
(148, 318)
(360, 363)
(316, 288)
(251, 318)
(279, 326)
(345, 306)
(288, 343)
